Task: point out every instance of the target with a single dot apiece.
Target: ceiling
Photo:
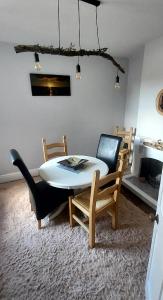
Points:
(124, 25)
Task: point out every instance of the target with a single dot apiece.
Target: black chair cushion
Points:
(45, 198)
(108, 149)
(49, 198)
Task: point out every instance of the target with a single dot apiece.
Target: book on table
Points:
(73, 163)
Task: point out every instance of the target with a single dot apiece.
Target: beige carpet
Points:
(55, 263)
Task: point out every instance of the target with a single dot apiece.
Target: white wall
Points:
(133, 88)
(93, 107)
(145, 80)
(150, 122)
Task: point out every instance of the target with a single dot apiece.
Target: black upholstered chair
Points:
(108, 150)
(44, 198)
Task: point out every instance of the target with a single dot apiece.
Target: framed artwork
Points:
(159, 102)
(50, 85)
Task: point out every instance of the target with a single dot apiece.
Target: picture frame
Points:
(50, 85)
(159, 102)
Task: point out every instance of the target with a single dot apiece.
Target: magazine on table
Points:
(73, 162)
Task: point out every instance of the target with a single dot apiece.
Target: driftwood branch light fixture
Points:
(71, 51)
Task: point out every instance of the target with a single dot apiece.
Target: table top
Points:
(57, 176)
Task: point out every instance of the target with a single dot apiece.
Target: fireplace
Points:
(146, 171)
(150, 171)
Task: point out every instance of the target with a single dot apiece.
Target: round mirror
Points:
(159, 102)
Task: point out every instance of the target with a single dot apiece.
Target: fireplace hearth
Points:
(146, 171)
(144, 187)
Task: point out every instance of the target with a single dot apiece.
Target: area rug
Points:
(55, 262)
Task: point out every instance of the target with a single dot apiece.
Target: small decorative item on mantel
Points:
(149, 142)
(153, 144)
(159, 102)
(159, 145)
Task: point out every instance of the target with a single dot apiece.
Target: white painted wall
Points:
(133, 88)
(94, 106)
(150, 122)
(145, 80)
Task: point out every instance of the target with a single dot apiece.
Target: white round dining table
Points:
(57, 176)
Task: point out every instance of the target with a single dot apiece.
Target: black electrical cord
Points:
(97, 30)
(79, 23)
(59, 33)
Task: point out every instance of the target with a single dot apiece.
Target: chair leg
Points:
(39, 224)
(115, 217)
(71, 211)
(92, 232)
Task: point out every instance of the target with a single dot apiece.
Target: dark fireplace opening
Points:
(150, 171)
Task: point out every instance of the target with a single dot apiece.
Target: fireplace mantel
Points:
(141, 151)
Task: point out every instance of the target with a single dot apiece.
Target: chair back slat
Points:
(53, 146)
(56, 154)
(104, 194)
(108, 178)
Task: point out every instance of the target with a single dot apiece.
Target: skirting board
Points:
(16, 176)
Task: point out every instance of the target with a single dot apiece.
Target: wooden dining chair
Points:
(127, 136)
(54, 149)
(127, 143)
(97, 200)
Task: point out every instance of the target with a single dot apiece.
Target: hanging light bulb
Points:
(78, 71)
(38, 66)
(117, 83)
